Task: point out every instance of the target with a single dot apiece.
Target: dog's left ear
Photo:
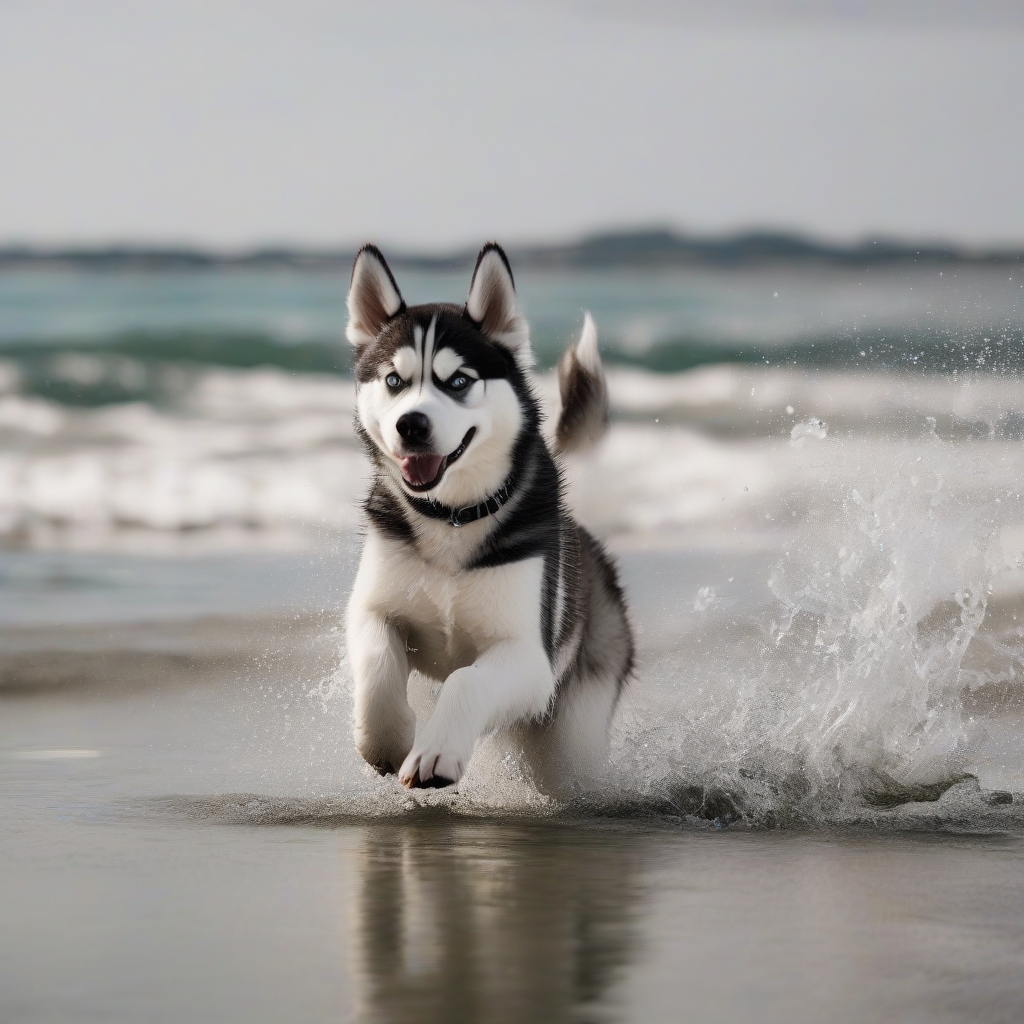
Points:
(494, 306)
(373, 297)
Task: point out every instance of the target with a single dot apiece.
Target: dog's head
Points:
(441, 392)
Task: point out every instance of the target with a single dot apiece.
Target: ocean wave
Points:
(161, 366)
(998, 348)
(710, 452)
(156, 367)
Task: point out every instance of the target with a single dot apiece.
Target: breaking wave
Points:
(262, 453)
(160, 367)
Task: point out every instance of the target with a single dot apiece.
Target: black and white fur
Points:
(473, 571)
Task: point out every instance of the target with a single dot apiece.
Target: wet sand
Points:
(185, 839)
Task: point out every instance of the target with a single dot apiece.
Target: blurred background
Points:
(800, 228)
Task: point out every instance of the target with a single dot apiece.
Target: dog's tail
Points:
(584, 392)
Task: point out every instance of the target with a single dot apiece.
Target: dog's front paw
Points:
(382, 756)
(430, 769)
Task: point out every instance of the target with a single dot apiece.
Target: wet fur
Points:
(519, 612)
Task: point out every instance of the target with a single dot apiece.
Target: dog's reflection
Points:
(466, 922)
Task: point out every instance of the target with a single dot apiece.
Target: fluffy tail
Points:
(584, 415)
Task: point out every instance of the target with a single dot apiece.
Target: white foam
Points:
(699, 457)
(812, 428)
(256, 450)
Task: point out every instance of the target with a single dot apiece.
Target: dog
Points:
(473, 571)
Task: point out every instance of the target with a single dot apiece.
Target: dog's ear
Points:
(373, 297)
(493, 305)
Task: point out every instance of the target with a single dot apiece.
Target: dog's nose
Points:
(413, 426)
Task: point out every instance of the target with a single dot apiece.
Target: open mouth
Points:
(422, 472)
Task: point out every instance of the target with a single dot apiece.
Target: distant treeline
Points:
(650, 248)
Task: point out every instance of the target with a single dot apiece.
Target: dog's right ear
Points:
(373, 297)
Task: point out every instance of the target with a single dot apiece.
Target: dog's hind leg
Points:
(569, 753)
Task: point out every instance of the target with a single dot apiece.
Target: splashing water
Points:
(848, 689)
(811, 428)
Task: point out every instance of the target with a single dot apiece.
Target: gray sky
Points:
(233, 122)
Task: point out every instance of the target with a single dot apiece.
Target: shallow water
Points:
(188, 833)
(441, 919)
(136, 885)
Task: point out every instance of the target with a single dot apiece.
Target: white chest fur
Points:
(448, 618)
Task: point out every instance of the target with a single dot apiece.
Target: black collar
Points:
(469, 514)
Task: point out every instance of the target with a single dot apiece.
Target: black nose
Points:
(413, 426)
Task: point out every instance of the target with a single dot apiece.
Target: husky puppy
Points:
(473, 571)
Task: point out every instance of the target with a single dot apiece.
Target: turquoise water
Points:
(132, 323)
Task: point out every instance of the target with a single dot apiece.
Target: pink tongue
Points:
(421, 469)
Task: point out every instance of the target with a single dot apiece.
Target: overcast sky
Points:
(428, 124)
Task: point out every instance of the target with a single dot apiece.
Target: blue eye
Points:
(459, 382)
(393, 381)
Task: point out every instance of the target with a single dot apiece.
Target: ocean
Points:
(814, 804)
